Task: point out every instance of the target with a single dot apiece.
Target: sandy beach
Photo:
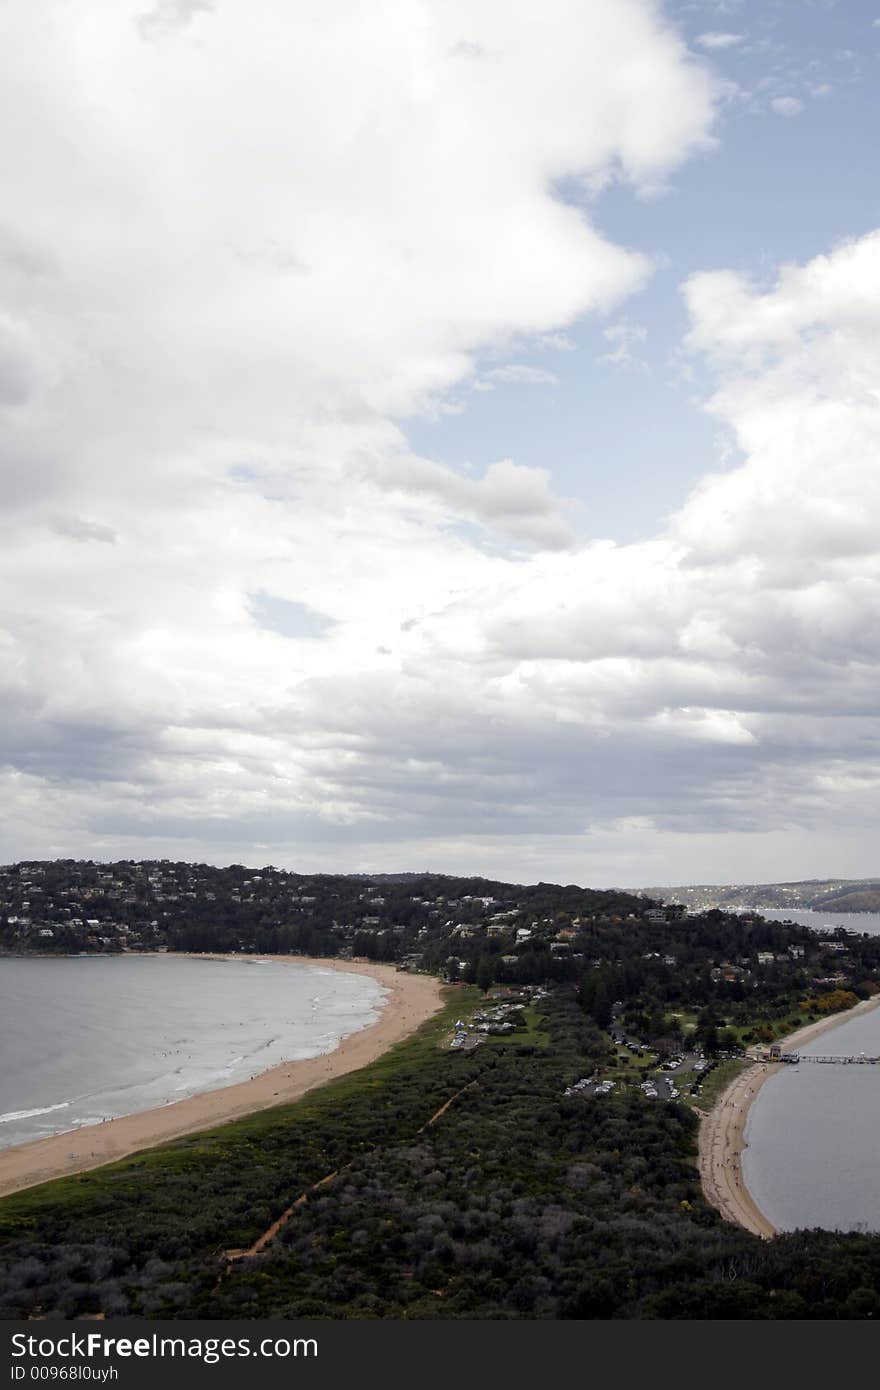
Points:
(723, 1130)
(410, 1001)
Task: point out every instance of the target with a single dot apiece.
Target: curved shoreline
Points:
(411, 1000)
(722, 1136)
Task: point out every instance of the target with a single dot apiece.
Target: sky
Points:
(442, 436)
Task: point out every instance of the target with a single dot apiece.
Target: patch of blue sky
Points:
(795, 172)
(288, 618)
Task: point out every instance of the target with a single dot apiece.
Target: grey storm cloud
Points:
(79, 529)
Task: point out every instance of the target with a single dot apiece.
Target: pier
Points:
(860, 1060)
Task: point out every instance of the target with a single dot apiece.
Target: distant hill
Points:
(832, 894)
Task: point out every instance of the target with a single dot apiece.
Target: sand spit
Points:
(723, 1130)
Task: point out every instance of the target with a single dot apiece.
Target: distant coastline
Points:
(411, 1000)
(722, 1132)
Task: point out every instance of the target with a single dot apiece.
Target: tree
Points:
(485, 973)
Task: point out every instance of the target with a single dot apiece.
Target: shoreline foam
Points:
(410, 1001)
(723, 1131)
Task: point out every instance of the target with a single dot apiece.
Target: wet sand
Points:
(411, 999)
(723, 1130)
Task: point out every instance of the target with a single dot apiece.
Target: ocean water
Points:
(813, 1137)
(84, 1039)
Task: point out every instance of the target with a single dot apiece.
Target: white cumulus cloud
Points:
(787, 106)
(239, 610)
(715, 40)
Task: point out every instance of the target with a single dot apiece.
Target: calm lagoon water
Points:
(87, 1038)
(813, 1133)
(813, 1137)
(867, 922)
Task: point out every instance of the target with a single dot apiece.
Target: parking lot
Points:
(658, 1079)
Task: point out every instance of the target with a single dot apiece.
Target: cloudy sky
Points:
(442, 434)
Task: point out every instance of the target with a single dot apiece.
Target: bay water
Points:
(813, 1133)
(825, 921)
(813, 1136)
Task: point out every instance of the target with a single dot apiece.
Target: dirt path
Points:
(445, 1107)
(268, 1235)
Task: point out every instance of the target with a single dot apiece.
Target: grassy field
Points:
(630, 1064)
(686, 1021)
(534, 1035)
(717, 1081)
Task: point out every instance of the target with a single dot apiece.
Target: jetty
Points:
(859, 1060)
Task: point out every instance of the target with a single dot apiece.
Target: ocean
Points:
(813, 1135)
(84, 1039)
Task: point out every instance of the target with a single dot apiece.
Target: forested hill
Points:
(476, 930)
(820, 894)
(68, 906)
